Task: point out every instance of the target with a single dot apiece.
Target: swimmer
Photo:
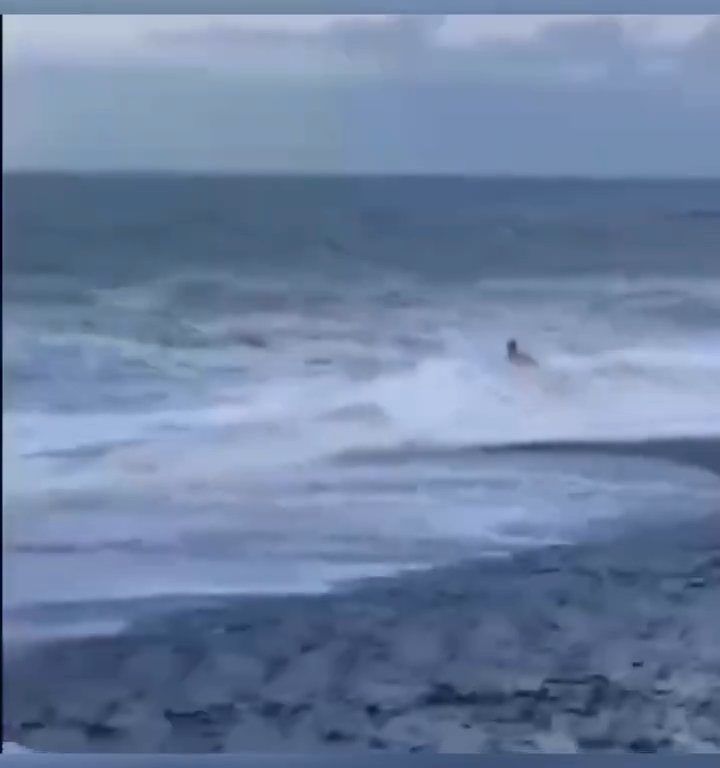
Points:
(516, 357)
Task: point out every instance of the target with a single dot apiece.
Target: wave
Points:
(368, 369)
(11, 748)
(449, 402)
(701, 452)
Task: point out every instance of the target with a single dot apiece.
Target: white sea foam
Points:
(246, 471)
(11, 748)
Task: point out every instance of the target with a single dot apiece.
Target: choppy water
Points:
(226, 385)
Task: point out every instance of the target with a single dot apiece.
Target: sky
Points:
(549, 95)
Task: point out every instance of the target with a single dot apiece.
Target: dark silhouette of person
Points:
(516, 357)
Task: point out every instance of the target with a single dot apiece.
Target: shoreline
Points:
(610, 646)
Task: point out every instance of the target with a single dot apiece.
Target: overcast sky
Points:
(457, 94)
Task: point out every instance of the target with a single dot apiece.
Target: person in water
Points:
(516, 357)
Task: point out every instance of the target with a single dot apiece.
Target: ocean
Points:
(228, 385)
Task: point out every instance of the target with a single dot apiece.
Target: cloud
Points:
(702, 55)
(560, 49)
(599, 50)
(598, 95)
(398, 38)
(387, 41)
(571, 49)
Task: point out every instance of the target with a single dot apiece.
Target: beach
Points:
(270, 483)
(604, 647)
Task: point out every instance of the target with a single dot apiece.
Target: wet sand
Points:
(606, 647)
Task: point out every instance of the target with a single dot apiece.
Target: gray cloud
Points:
(598, 48)
(702, 55)
(399, 38)
(601, 43)
(233, 36)
(394, 39)
(582, 97)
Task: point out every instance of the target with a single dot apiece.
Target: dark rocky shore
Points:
(607, 647)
